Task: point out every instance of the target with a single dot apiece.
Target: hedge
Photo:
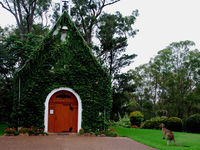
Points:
(193, 123)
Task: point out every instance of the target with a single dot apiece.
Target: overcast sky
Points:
(160, 22)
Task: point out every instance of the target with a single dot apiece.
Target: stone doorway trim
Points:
(46, 104)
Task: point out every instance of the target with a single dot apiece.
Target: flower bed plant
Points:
(11, 131)
(109, 132)
(25, 131)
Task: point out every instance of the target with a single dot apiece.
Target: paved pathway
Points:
(64, 142)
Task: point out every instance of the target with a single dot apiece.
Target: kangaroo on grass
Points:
(168, 134)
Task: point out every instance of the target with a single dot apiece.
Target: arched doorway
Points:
(63, 111)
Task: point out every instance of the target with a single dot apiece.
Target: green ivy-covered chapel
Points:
(62, 87)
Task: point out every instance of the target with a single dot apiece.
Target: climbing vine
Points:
(56, 64)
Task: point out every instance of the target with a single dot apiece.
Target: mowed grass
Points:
(2, 128)
(153, 138)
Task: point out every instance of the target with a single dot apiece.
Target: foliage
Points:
(13, 54)
(136, 118)
(2, 128)
(111, 132)
(5, 100)
(29, 131)
(154, 139)
(81, 131)
(154, 123)
(161, 113)
(170, 81)
(63, 64)
(193, 123)
(122, 89)
(11, 131)
(113, 31)
(34, 131)
(21, 50)
(86, 14)
(7, 63)
(123, 122)
(26, 12)
(174, 124)
(108, 132)
(23, 130)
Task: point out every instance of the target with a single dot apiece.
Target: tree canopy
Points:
(170, 81)
(26, 12)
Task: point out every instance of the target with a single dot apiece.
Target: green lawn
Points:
(2, 128)
(154, 139)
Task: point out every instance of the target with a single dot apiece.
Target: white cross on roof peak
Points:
(65, 5)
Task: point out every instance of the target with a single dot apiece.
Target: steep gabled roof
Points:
(64, 31)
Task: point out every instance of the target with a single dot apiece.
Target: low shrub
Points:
(23, 130)
(11, 131)
(192, 124)
(136, 118)
(154, 123)
(174, 124)
(123, 122)
(161, 113)
(29, 131)
(81, 131)
(111, 132)
(148, 124)
(36, 131)
(3, 128)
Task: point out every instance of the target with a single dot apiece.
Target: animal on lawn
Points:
(168, 134)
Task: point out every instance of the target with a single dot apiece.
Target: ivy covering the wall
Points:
(56, 64)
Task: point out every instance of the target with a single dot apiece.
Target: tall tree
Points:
(7, 62)
(113, 32)
(86, 14)
(14, 52)
(25, 12)
(6, 71)
(171, 79)
(122, 93)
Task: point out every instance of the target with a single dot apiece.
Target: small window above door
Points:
(63, 95)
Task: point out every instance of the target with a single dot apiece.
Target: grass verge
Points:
(153, 138)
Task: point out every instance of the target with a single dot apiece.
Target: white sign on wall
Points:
(51, 111)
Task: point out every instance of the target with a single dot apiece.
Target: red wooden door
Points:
(63, 112)
(62, 117)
